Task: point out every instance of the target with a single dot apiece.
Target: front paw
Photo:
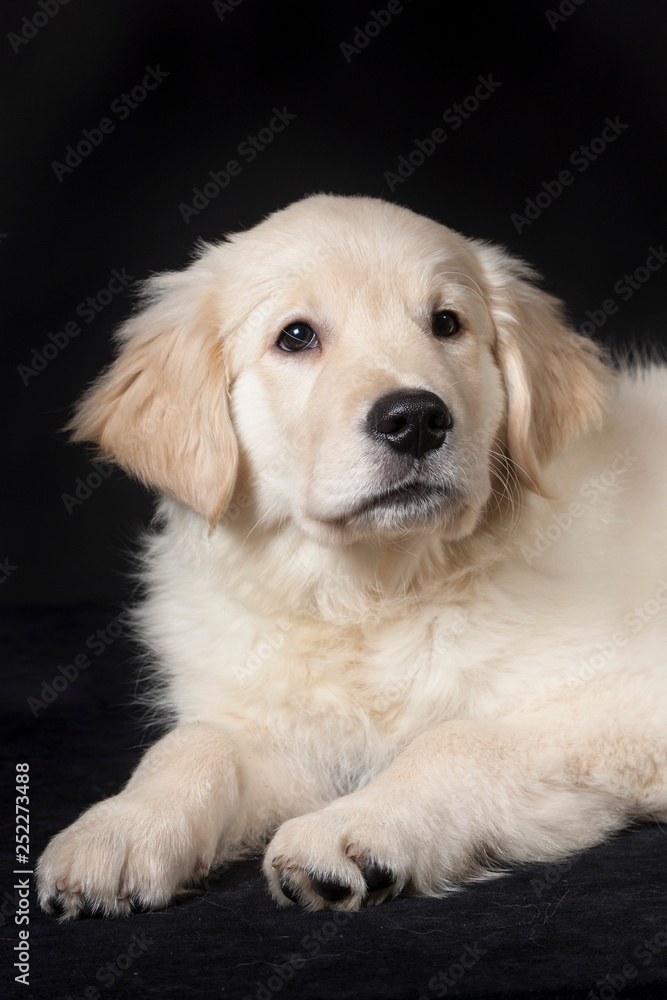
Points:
(343, 857)
(122, 855)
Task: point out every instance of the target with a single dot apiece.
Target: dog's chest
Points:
(394, 677)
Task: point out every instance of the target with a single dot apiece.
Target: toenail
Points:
(288, 890)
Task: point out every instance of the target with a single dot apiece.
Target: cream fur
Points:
(437, 691)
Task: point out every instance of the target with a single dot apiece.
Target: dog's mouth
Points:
(413, 502)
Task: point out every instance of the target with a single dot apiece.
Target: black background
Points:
(355, 116)
(557, 932)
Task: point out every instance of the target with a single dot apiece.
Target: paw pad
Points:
(296, 884)
(376, 876)
(330, 889)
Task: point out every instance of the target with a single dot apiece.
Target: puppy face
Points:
(371, 375)
(362, 371)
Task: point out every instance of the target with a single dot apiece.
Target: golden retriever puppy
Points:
(406, 602)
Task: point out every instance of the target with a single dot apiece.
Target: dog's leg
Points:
(465, 798)
(161, 833)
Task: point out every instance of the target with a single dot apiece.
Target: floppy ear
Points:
(161, 409)
(556, 380)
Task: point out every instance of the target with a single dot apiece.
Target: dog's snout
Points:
(410, 420)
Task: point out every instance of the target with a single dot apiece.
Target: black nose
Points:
(410, 420)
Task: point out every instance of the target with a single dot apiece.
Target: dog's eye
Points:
(297, 337)
(445, 323)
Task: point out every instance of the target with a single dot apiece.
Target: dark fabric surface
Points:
(594, 928)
